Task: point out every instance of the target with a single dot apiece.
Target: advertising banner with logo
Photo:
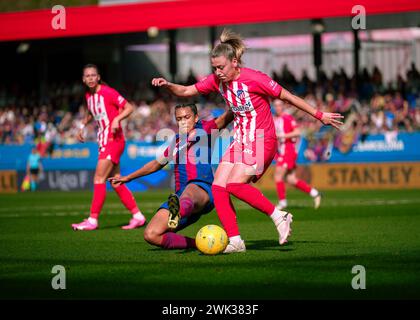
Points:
(63, 180)
(389, 147)
(68, 167)
(397, 175)
(391, 157)
(345, 176)
(8, 181)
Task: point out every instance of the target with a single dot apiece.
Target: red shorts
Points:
(287, 160)
(112, 151)
(258, 154)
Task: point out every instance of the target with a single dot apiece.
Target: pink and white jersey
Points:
(104, 106)
(285, 124)
(248, 98)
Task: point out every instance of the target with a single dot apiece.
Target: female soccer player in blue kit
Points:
(193, 178)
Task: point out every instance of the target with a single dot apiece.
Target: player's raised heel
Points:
(174, 214)
(283, 227)
(317, 201)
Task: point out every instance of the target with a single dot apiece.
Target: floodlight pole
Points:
(318, 28)
(173, 66)
(356, 51)
(212, 31)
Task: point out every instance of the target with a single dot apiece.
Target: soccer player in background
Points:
(287, 132)
(108, 108)
(193, 178)
(34, 168)
(247, 93)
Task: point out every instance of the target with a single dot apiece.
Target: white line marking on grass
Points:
(342, 203)
(66, 210)
(72, 207)
(151, 207)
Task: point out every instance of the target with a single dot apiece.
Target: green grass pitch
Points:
(376, 229)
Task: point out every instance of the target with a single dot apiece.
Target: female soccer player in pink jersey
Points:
(247, 93)
(108, 108)
(287, 132)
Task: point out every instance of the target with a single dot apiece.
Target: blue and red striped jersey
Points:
(191, 154)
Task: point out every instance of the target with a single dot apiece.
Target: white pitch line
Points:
(328, 202)
(62, 214)
(72, 207)
(150, 207)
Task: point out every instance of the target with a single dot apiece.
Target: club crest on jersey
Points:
(240, 94)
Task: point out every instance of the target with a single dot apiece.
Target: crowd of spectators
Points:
(369, 105)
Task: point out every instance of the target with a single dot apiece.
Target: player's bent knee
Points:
(99, 179)
(151, 236)
(291, 181)
(278, 177)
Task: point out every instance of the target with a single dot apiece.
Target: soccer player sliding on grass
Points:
(108, 108)
(193, 178)
(247, 94)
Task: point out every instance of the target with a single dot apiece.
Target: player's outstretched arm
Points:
(326, 118)
(293, 134)
(147, 169)
(80, 135)
(224, 120)
(176, 89)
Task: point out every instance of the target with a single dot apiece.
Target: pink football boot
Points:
(134, 223)
(85, 226)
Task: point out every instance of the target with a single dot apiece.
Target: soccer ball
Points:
(211, 239)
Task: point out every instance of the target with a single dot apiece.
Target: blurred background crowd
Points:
(369, 105)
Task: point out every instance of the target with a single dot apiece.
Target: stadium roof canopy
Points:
(114, 19)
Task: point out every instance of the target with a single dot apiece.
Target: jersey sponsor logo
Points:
(97, 107)
(100, 116)
(242, 107)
